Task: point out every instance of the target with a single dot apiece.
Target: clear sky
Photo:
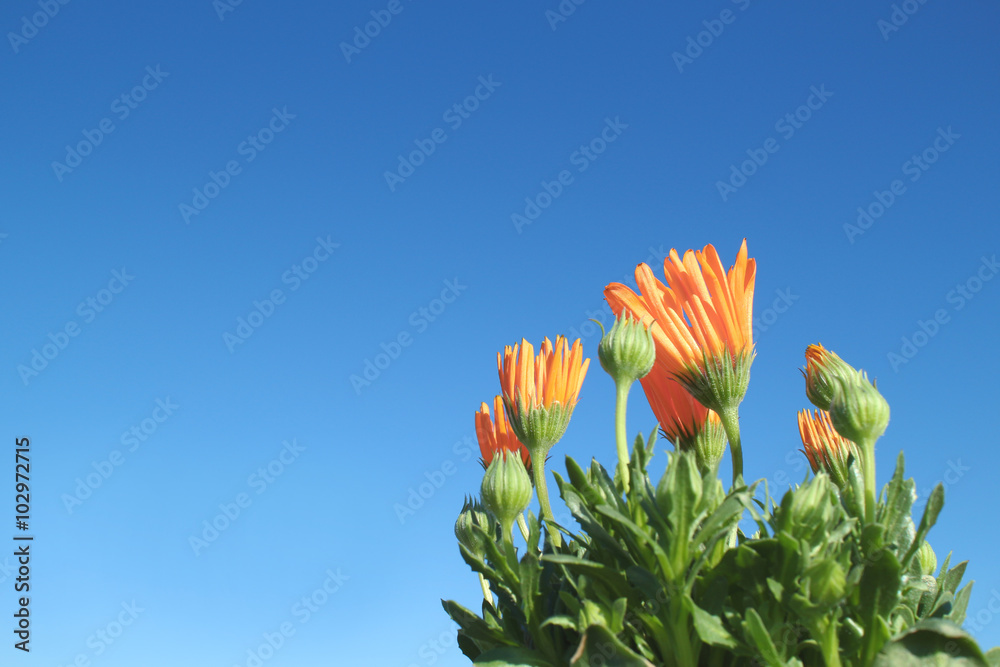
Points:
(219, 216)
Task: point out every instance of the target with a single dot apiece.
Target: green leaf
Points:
(755, 628)
(934, 504)
(508, 656)
(932, 643)
(993, 657)
(960, 604)
(567, 622)
(473, 626)
(598, 646)
(879, 593)
(709, 627)
(610, 577)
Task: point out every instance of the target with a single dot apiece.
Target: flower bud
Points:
(822, 370)
(506, 489)
(627, 351)
(470, 526)
(858, 411)
(928, 561)
(827, 582)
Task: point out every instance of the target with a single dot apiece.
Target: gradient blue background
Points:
(336, 506)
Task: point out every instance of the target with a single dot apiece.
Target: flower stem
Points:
(825, 632)
(868, 452)
(731, 422)
(621, 401)
(542, 491)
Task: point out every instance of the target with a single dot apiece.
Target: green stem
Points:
(731, 422)
(621, 400)
(683, 651)
(508, 543)
(868, 452)
(542, 491)
(825, 632)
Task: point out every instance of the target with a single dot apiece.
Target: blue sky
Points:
(215, 214)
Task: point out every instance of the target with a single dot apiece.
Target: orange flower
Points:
(496, 436)
(823, 368)
(540, 392)
(702, 311)
(685, 422)
(825, 448)
(701, 321)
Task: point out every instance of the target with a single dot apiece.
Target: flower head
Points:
(495, 435)
(627, 351)
(823, 367)
(685, 422)
(858, 411)
(506, 489)
(540, 392)
(825, 448)
(701, 320)
(473, 527)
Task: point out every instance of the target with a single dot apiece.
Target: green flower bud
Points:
(506, 489)
(858, 411)
(928, 561)
(470, 526)
(823, 368)
(827, 582)
(627, 351)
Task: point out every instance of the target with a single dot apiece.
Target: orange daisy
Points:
(539, 394)
(701, 320)
(702, 311)
(495, 435)
(825, 448)
(547, 383)
(684, 421)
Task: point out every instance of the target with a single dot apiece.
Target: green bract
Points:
(858, 411)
